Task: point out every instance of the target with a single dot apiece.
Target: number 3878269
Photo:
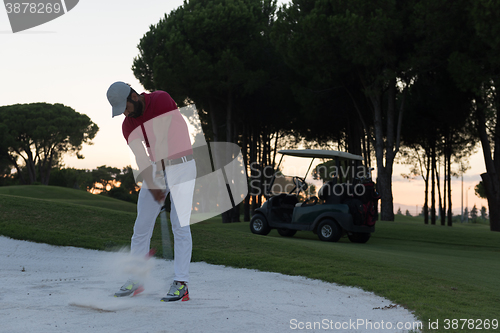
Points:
(32, 8)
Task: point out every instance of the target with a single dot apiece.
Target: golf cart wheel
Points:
(286, 232)
(258, 225)
(329, 231)
(359, 237)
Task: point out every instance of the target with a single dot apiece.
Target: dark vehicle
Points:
(346, 204)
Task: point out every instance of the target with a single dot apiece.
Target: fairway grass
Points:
(438, 272)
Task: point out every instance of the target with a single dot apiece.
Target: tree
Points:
(447, 130)
(407, 213)
(435, 99)
(70, 177)
(38, 135)
(484, 214)
(333, 106)
(424, 213)
(105, 177)
(399, 212)
(5, 163)
(479, 190)
(371, 42)
(193, 55)
(127, 180)
(476, 68)
(120, 194)
(127, 188)
(233, 75)
(419, 161)
(102, 178)
(473, 213)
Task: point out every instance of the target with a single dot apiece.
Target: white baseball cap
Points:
(117, 97)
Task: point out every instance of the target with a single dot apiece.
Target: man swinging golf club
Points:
(159, 138)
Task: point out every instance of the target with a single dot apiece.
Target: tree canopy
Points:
(209, 53)
(218, 54)
(34, 137)
(365, 48)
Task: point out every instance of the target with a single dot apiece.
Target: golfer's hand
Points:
(158, 194)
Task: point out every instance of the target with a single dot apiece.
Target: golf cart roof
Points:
(320, 153)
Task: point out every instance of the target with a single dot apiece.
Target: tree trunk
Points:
(274, 150)
(255, 187)
(355, 138)
(236, 209)
(365, 151)
(493, 200)
(384, 187)
(490, 179)
(246, 209)
(433, 185)
(383, 177)
(246, 158)
(364, 130)
(18, 169)
(232, 215)
(440, 202)
(30, 165)
(426, 199)
(445, 188)
(235, 213)
(213, 119)
(229, 117)
(450, 214)
(45, 180)
(46, 167)
(226, 216)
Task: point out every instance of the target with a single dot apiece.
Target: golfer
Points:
(158, 136)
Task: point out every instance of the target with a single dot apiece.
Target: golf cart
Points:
(346, 203)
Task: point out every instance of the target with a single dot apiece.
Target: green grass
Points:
(438, 272)
(67, 195)
(63, 216)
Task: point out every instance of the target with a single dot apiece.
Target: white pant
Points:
(182, 178)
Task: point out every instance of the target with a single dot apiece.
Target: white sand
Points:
(47, 288)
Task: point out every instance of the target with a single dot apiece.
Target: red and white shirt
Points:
(161, 127)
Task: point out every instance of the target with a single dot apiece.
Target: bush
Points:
(120, 194)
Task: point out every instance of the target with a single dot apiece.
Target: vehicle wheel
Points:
(329, 231)
(286, 232)
(359, 237)
(258, 225)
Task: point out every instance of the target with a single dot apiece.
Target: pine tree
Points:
(484, 215)
(473, 213)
